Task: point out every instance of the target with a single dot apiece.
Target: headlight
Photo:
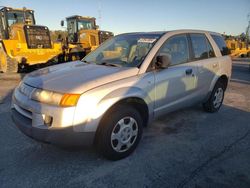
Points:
(83, 35)
(54, 98)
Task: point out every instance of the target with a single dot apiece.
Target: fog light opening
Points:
(47, 120)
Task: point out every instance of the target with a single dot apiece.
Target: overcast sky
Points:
(229, 16)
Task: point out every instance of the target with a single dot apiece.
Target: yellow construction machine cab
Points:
(11, 17)
(22, 43)
(84, 33)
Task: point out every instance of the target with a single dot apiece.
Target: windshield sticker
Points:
(145, 40)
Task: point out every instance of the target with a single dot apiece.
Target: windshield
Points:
(127, 50)
(85, 25)
(14, 17)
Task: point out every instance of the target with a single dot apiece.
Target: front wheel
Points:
(76, 54)
(7, 64)
(119, 133)
(215, 101)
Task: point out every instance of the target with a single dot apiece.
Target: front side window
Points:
(127, 50)
(176, 48)
(71, 26)
(1, 28)
(72, 35)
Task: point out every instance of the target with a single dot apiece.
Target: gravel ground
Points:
(187, 148)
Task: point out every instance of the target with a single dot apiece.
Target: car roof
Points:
(179, 30)
(146, 33)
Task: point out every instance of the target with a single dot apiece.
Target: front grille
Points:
(37, 37)
(26, 89)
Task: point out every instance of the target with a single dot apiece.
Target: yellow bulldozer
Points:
(22, 42)
(83, 36)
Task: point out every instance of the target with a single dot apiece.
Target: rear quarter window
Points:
(221, 45)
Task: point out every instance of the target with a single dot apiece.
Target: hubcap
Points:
(124, 134)
(218, 97)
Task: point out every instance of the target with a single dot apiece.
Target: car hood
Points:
(76, 77)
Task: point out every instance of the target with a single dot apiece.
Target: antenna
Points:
(100, 13)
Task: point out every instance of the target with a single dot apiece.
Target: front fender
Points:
(91, 107)
(126, 92)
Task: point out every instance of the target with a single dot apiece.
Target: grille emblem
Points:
(38, 37)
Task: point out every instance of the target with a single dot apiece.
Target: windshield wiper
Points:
(110, 64)
(86, 61)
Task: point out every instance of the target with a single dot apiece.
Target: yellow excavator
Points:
(83, 36)
(22, 42)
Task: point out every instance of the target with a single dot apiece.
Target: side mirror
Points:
(162, 61)
(62, 23)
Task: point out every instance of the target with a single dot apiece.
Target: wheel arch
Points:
(136, 102)
(223, 78)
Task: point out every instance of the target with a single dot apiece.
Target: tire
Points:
(76, 54)
(119, 133)
(211, 105)
(242, 55)
(7, 64)
(23, 68)
(248, 54)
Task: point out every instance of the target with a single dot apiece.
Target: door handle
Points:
(215, 65)
(189, 71)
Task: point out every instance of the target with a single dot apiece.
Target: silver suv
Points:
(131, 79)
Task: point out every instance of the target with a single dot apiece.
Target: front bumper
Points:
(59, 136)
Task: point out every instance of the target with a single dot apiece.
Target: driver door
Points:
(175, 86)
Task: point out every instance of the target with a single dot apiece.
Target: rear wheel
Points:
(119, 132)
(215, 101)
(7, 64)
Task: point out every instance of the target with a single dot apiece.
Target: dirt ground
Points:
(187, 148)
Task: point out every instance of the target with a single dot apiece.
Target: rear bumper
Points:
(58, 136)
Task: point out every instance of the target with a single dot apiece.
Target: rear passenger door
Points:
(207, 63)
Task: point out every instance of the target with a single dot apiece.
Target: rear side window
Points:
(221, 44)
(199, 44)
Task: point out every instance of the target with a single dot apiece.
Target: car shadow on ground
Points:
(177, 139)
